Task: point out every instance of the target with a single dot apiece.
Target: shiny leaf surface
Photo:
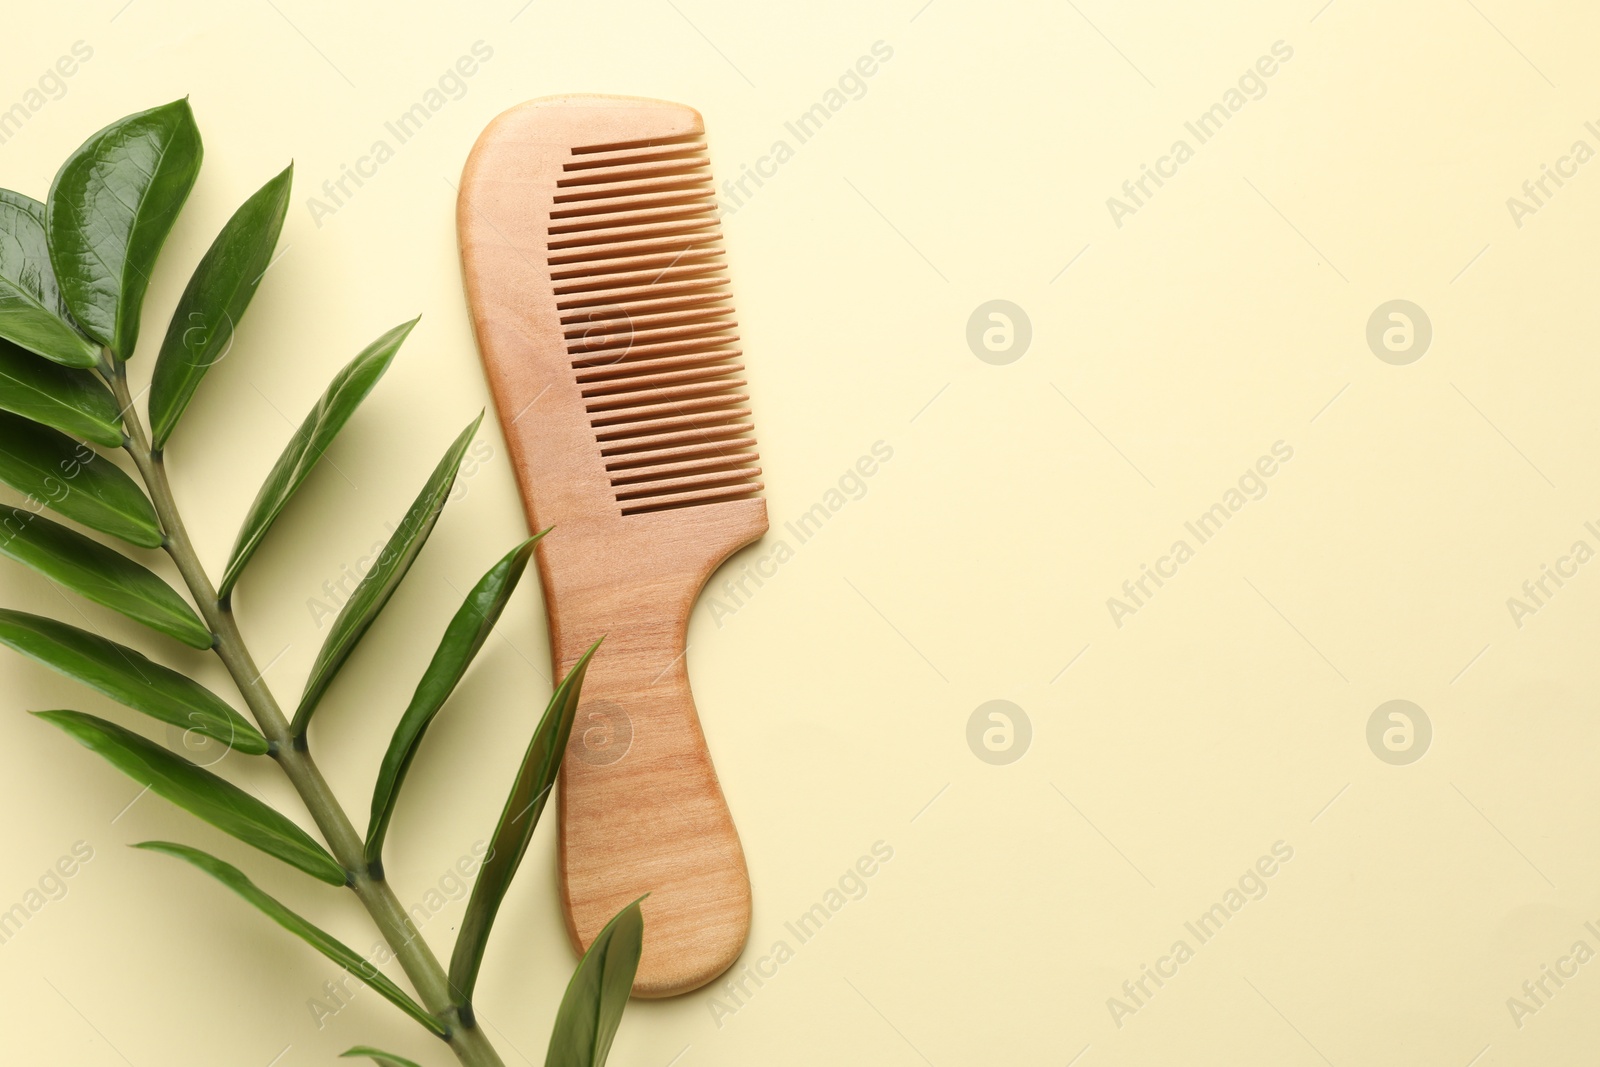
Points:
(25, 250)
(99, 573)
(219, 291)
(26, 323)
(201, 793)
(374, 591)
(111, 206)
(322, 424)
(465, 635)
(73, 479)
(72, 401)
(129, 678)
(515, 829)
(591, 1010)
(32, 312)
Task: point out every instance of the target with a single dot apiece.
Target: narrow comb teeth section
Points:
(654, 429)
(729, 448)
(672, 501)
(638, 258)
(631, 397)
(605, 340)
(668, 487)
(631, 187)
(629, 205)
(620, 147)
(591, 314)
(633, 167)
(691, 224)
(637, 285)
(684, 465)
(704, 290)
(601, 392)
(617, 373)
(636, 261)
(655, 219)
(690, 150)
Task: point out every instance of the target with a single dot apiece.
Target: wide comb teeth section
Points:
(636, 263)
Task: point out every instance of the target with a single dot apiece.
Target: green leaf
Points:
(462, 639)
(515, 829)
(345, 393)
(110, 209)
(101, 574)
(26, 322)
(317, 938)
(592, 1008)
(31, 310)
(380, 583)
(129, 678)
(72, 478)
(70, 400)
(382, 1059)
(198, 791)
(25, 250)
(218, 293)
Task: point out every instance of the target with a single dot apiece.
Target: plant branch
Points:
(467, 1040)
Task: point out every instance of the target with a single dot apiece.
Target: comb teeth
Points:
(636, 262)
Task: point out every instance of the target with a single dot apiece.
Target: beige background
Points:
(1167, 755)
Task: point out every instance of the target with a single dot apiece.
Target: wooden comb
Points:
(592, 253)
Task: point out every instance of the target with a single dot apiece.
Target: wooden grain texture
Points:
(592, 257)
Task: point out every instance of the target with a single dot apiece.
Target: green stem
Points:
(466, 1039)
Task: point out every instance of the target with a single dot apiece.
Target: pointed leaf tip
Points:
(591, 1009)
(518, 820)
(203, 328)
(317, 432)
(374, 590)
(110, 209)
(462, 640)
